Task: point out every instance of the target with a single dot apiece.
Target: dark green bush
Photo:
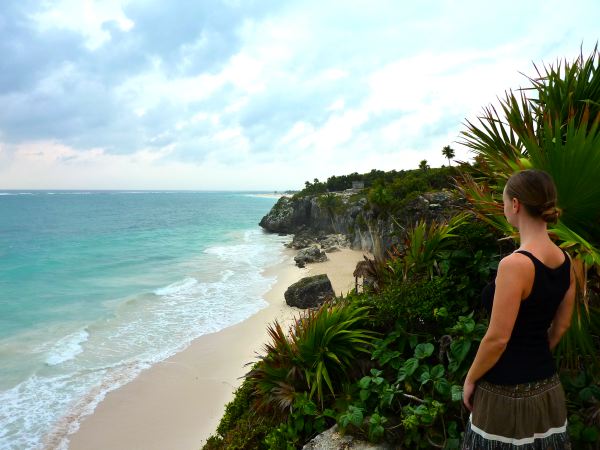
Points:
(582, 390)
(414, 303)
(248, 432)
(236, 408)
(401, 187)
(413, 396)
(240, 427)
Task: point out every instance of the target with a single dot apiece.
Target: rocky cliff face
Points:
(364, 225)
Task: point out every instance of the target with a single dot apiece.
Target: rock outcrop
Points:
(305, 237)
(309, 292)
(310, 254)
(363, 227)
(332, 440)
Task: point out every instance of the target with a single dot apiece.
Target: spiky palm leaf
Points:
(424, 244)
(317, 353)
(328, 341)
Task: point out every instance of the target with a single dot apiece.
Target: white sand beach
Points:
(177, 404)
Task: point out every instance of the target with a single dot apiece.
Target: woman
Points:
(512, 388)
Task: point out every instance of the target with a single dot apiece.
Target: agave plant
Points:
(554, 126)
(424, 245)
(318, 352)
(327, 342)
(276, 376)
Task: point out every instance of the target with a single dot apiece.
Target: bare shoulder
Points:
(515, 276)
(515, 262)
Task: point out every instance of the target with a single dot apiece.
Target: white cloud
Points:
(86, 17)
(311, 89)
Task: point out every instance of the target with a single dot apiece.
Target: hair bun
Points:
(551, 214)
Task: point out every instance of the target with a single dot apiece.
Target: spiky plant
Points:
(318, 352)
(276, 377)
(328, 341)
(423, 246)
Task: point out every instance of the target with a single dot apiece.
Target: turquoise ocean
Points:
(96, 286)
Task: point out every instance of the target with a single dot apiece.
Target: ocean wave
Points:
(67, 348)
(141, 330)
(32, 405)
(177, 288)
(252, 252)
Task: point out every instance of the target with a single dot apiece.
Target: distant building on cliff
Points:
(358, 185)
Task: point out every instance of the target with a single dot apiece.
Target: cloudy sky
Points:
(257, 95)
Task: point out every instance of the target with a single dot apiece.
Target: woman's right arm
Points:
(562, 318)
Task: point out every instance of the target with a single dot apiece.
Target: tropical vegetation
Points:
(387, 363)
(448, 152)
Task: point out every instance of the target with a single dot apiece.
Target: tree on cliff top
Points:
(448, 152)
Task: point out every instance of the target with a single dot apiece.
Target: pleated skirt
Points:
(529, 416)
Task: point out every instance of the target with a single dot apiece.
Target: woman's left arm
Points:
(511, 280)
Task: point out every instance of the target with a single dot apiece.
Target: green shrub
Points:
(413, 183)
(582, 391)
(240, 427)
(414, 396)
(380, 197)
(236, 408)
(304, 422)
(318, 354)
(248, 432)
(418, 304)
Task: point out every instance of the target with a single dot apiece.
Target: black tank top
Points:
(527, 356)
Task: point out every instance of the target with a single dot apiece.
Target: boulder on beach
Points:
(302, 239)
(309, 292)
(312, 253)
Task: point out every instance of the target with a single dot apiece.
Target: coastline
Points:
(177, 403)
(270, 195)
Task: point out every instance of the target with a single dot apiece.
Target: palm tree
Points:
(554, 126)
(423, 165)
(448, 152)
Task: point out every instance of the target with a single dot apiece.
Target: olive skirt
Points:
(525, 416)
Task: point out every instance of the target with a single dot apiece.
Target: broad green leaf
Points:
(376, 372)
(424, 350)
(408, 368)
(459, 349)
(442, 386)
(364, 394)
(356, 416)
(421, 410)
(437, 371)
(364, 382)
(456, 392)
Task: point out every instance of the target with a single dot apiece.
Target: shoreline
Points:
(273, 195)
(178, 402)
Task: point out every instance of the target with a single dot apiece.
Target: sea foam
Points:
(67, 348)
(96, 346)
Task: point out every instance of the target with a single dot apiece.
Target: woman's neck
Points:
(533, 233)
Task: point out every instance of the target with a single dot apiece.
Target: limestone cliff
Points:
(366, 227)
